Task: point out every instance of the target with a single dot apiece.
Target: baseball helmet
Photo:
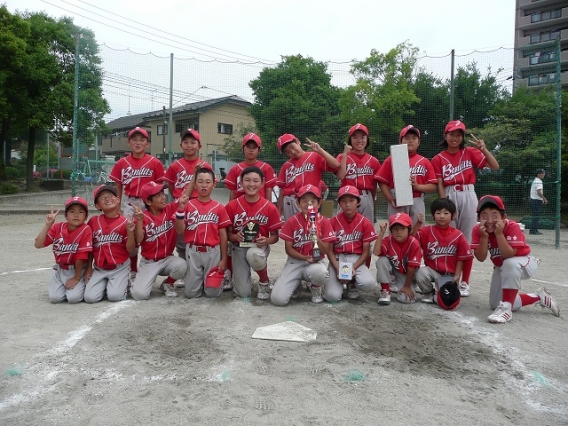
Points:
(214, 278)
(449, 296)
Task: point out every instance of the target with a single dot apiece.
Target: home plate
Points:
(287, 330)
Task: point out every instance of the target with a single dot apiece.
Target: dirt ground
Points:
(177, 361)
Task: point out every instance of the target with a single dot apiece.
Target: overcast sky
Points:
(333, 30)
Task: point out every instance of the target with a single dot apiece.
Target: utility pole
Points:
(164, 127)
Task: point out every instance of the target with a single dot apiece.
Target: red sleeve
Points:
(478, 158)
(369, 233)
(269, 176)
(158, 170)
(231, 178)
(116, 172)
(414, 254)
(224, 220)
(274, 218)
(437, 166)
(52, 233)
(464, 251)
(384, 175)
(327, 233)
(475, 237)
(287, 232)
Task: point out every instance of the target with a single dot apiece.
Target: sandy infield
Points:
(177, 361)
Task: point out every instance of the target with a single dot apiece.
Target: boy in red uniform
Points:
(113, 240)
(455, 170)
(72, 243)
(354, 234)
(422, 176)
(357, 168)
(130, 173)
(302, 168)
(203, 223)
(503, 241)
(304, 234)
(400, 255)
(444, 249)
(256, 217)
(156, 235)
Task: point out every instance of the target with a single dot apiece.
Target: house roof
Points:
(130, 121)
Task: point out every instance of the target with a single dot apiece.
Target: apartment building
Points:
(538, 24)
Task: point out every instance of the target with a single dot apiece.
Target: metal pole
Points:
(47, 171)
(97, 146)
(452, 85)
(558, 141)
(171, 120)
(164, 127)
(75, 120)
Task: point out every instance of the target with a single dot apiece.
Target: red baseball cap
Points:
(400, 218)
(490, 199)
(193, 133)
(410, 128)
(214, 278)
(454, 125)
(252, 137)
(140, 130)
(102, 188)
(149, 189)
(308, 188)
(358, 126)
(76, 200)
(348, 190)
(284, 139)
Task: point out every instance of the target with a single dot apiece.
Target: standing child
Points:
(422, 176)
(302, 168)
(307, 236)
(255, 222)
(156, 235)
(130, 173)
(72, 243)
(503, 241)
(113, 240)
(357, 168)
(180, 173)
(352, 247)
(455, 171)
(444, 248)
(203, 223)
(399, 255)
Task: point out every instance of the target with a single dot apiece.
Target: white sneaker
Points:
(352, 292)
(393, 286)
(227, 283)
(502, 314)
(263, 291)
(428, 298)
(168, 290)
(316, 294)
(464, 289)
(179, 284)
(385, 298)
(547, 301)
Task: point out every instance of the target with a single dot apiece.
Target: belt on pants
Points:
(110, 267)
(65, 266)
(200, 249)
(366, 192)
(460, 188)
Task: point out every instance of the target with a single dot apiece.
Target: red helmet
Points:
(214, 278)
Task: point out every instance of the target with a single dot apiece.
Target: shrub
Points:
(12, 173)
(8, 188)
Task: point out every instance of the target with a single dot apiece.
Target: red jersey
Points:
(298, 172)
(351, 234)
(109, 240)
(203, 221)
(458, 168)
(297, 230)
(179, 174)
(132, 173)
(402, 256)
(263, 212)
(159, 233)
(513, 235)
(420, 168)
(69, 246)
(361, 170)
(233, 179)
(443, 248)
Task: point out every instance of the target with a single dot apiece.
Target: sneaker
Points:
(464, 289)
(547, 301)
(352, 292)
(297, 292)
(227, 283)
(385, 298)
(502, 314)
(393, 286)
(263, 291)
(179, 284)
(168, 290)
(316, 294)
(428, 298)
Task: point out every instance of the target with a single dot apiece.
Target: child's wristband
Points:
(180, 216)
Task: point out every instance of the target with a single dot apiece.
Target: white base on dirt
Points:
(287, 330)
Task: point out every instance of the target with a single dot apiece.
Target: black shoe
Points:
(535, 233)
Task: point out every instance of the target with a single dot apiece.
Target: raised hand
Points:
(478, 143)
(314, 146)
(50, 219)
(138, 214)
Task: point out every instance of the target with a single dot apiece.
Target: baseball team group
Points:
(121, 252)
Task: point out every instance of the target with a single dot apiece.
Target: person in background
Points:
(538, 200)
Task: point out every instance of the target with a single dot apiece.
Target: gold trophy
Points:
(250, 232)
(314, 233)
